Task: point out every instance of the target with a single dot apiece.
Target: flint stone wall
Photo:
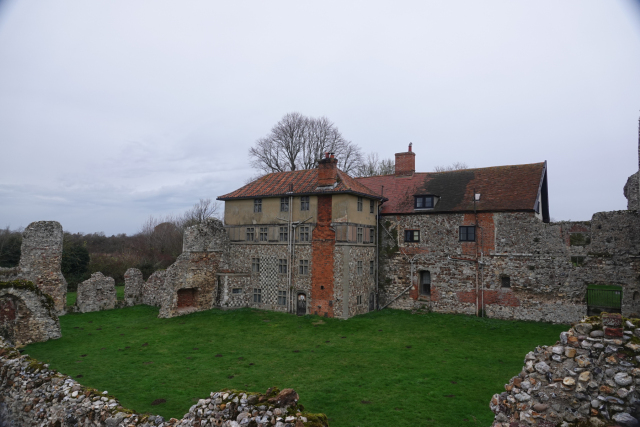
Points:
(96, 293)
(31, 394)
(589, 376)
(27, 315)
(632, 191)
(133, 287)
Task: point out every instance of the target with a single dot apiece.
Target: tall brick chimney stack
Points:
(327, 170)
(406, 162)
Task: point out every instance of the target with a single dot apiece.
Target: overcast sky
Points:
(111, 111)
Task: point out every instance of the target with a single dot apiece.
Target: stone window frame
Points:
(284, 204)
(251, 234)
(263, 234)
(303, 268)
(257, 295)
(284, 234)
(359, 268)
(236, 290)
(257, 205)
(359, 204)
(463, 233)
(282, 297)
(304, 203)
(304, 232)
(505, 281)
(371, 235)
(372, 266)
(371, 205)
(359, 234)
(424, 285)
(423, 202)
(359, 300)
(412, 236)
(255, 265)
(283, 266)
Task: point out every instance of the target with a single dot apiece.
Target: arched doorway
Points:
(301, 305)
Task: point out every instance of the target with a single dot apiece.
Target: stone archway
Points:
(301, 304)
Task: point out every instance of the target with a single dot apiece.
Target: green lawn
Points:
(384, 368)
(72, 296)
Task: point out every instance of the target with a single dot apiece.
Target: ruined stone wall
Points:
(96, 294)
(153, 289)
(548, 266)
(32, 394)
(27, 315)
(40, 260)
(632, 191)
(133, 287)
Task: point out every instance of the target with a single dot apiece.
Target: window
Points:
(282, 266)
(423, 202)
(371, 267)
(264, 234)
(467, 233)
(257, 205)
(250, 234)
(257, 295)
(359, 268)
(284, 234)
(304, 234)
(304, 266)
(371, 235)
(282, 297)
(370, 206)
(255, 265)
(411, 236)
(304, 203)
(506, 281)
(236, 291)
(284, 204)
(359, 300)
(359, 204)
(359, 234)
(425, 283)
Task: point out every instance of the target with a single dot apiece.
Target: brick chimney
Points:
(406, 162)
(327, 170)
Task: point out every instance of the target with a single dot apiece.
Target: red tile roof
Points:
(501, 188)
(301, 182)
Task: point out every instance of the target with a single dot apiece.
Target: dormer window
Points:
(423, 202)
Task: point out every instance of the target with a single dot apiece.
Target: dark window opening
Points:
(255, 265)
(304, 266)
(251, 234)
(371, 236)
(284, 204)
(282, 266)
(236, 291)
(257, 295)
(304, 203)
(371, 267)
(359, 268)
(282, 297)
(284, 234)
(264, 234)
(257, 205)
(371, 206)
(304, 234)
(425, 283)
(423, 202)
(359, 204)
(359, 234)
(467, 233)
(411, 236)
(505, 281)
(359, 300)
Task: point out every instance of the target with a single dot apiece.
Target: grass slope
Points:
(383, 368)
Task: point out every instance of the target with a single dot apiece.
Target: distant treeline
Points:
(156, 246)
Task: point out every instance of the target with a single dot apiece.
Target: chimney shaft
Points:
(327, 170)
(406, 162)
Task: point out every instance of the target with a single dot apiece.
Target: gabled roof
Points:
(300, 182)
(501, 188)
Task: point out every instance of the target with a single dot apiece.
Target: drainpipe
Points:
(290, 242)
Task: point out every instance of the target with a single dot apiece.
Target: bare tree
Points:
(453, 167)
(299, 142)
(205, 208)
(373, 166)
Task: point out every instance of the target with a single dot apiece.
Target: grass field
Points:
(71, 296)
(384, 368)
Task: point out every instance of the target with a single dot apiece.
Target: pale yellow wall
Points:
(240, 212)
(345, 209)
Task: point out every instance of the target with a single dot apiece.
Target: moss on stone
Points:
(27, 285)
(316, 420)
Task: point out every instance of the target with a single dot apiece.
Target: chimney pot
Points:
(410, 144)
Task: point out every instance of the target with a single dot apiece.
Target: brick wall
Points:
(322, 270)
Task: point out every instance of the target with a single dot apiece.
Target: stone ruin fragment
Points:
(588, 378)
(96, 294)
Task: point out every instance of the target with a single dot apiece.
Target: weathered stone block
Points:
(96, 294)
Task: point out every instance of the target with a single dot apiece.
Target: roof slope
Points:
(301, 182)
(501, 188)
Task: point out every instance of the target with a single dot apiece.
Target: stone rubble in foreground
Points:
(588, 378)
(32, 394)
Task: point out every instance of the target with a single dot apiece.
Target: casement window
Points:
(284, 204)
(371, 235)
(411, 236)
(359, 204)
(359, 268)
(304, 266)
(264, 234)
(282, 297)
(255, 265)
(359, 300)
(467, 233)
(423, 202)
(251, 234)
(304, 203)
(425, 283)
(304, 233)
(236, 291)
(282, 266)
(359, 234)
(284, 234)
(371, 267)
(370, 206)
(257, 295)
(506, 281)
(257, 205)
